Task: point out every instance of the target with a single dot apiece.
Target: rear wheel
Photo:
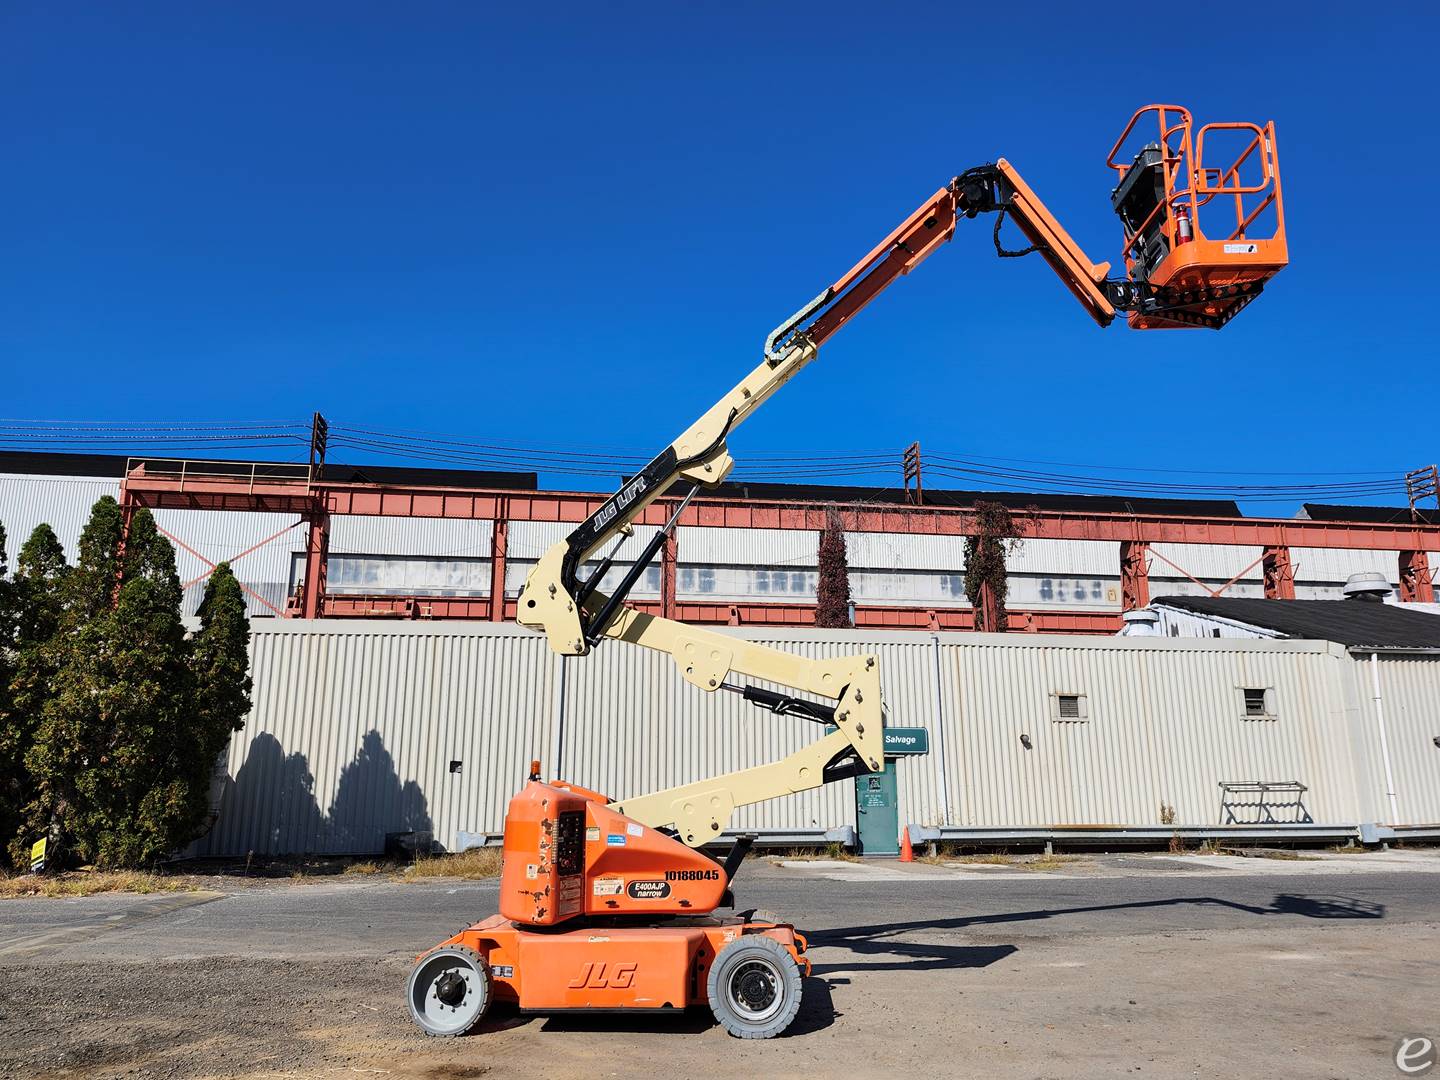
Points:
(449, 991)
(754, 988)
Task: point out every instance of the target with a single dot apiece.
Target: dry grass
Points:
(367, 869)
(1039, 863)
(90, 882)
(1049, 862)
(830, 853)
(984, 858)
(473, 864)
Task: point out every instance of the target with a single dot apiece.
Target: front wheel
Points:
(449, 991)
(754, 988)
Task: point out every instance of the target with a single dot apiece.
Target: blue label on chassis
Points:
(615, 839)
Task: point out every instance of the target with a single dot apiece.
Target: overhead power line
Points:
(855, 467)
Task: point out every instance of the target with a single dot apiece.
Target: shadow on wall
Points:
(370, 801)
(273, 794)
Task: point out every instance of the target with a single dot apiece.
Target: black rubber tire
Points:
(754, 963)
(434, 1017)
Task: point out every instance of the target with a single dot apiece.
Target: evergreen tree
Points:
(832, 588)
(11, 768)
(39, 588)
(9, 614)
(220, 664)
(36, 598)
(90, 589)
(113, 734)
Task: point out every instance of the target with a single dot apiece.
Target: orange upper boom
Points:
(1175, 274)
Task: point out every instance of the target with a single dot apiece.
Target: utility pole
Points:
(910, 467)
(319, 435)
(1422, 484)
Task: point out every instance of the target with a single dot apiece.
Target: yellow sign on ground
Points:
(37, 856)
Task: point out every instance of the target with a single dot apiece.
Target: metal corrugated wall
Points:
(364, 534)
(704, 545)
(1164, 724)
(1410, 695)
(355, 726)
(221, 535)
(63, 502)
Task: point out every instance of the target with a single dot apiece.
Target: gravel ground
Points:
(200, 1018)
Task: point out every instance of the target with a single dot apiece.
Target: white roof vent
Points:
(1141, 622)
(1367, 585)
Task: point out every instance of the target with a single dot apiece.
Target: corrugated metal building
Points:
(363, 728)
(1395, 657)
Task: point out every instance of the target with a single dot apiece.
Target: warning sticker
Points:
(532, 871)
(635, 830)
(502, 971)
(592, 834)
(570, 895)
(1241, 249)
(615, 839)
(608, 886)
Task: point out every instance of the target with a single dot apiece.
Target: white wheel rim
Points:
(756, 989)
(439, 1016)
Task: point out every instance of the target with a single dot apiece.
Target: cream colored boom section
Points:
(700, 811)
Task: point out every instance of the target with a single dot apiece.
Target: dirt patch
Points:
(219, 1017)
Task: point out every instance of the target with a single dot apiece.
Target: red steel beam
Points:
(1279, 574)
(1416, 584)
(499, 545)
(559, 506)
(1134, 574)
(317, 567)
(722, 613)
(669, 561)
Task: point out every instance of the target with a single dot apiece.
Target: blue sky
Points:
(552, 224)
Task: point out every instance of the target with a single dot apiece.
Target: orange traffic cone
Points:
(907, 853)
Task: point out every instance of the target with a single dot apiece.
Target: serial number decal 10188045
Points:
(692, 875)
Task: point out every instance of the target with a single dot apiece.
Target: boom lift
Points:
(606, 904)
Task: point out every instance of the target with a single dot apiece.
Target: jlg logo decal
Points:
(604, 976)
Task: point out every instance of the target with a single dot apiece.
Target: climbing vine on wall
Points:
(832, 586)
(995, 532)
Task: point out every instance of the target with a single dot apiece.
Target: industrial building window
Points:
(1258, 702)
(1069, 707)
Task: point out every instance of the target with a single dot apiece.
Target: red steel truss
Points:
(158, 486)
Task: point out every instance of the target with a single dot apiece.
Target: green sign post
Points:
(906, 740)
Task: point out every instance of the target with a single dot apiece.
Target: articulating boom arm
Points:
(575, 615)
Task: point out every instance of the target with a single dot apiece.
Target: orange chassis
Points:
(608, 968)
(601, 912)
